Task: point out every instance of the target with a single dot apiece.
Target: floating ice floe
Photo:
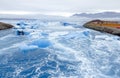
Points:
(22, 32)
(22, 25)
(41, 43)
(67, 24)
(27, 48)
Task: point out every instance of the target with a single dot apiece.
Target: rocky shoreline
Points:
(4, 26)
(112, 27)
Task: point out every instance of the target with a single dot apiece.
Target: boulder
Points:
(112, 27)
(4, 26)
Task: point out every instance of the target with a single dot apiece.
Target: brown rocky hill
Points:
(5, 26)
(112, 27)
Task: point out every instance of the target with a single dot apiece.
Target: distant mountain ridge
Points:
(28, 16)
(99, 15)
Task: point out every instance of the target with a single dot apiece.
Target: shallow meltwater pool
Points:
(57, 49)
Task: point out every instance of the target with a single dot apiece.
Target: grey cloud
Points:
(59, 5)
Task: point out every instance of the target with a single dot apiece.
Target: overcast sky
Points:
(59, 6)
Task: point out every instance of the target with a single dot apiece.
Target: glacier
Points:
(57, 48)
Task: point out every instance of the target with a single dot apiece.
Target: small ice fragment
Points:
(26, 48)
(42, 43)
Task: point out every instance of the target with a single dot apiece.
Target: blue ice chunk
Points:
(21, 32)
(22, 25)
(42, 43)
(66, 24)
(27, 48)
(86, 33)
(44, 34)
(26, 33)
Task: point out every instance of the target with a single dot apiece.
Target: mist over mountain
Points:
(99, 15)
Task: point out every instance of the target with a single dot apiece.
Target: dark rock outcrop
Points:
(4, 26)
(112, 27)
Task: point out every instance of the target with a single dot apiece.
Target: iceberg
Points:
(41, 43)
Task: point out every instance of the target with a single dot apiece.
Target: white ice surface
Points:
(98, 54)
